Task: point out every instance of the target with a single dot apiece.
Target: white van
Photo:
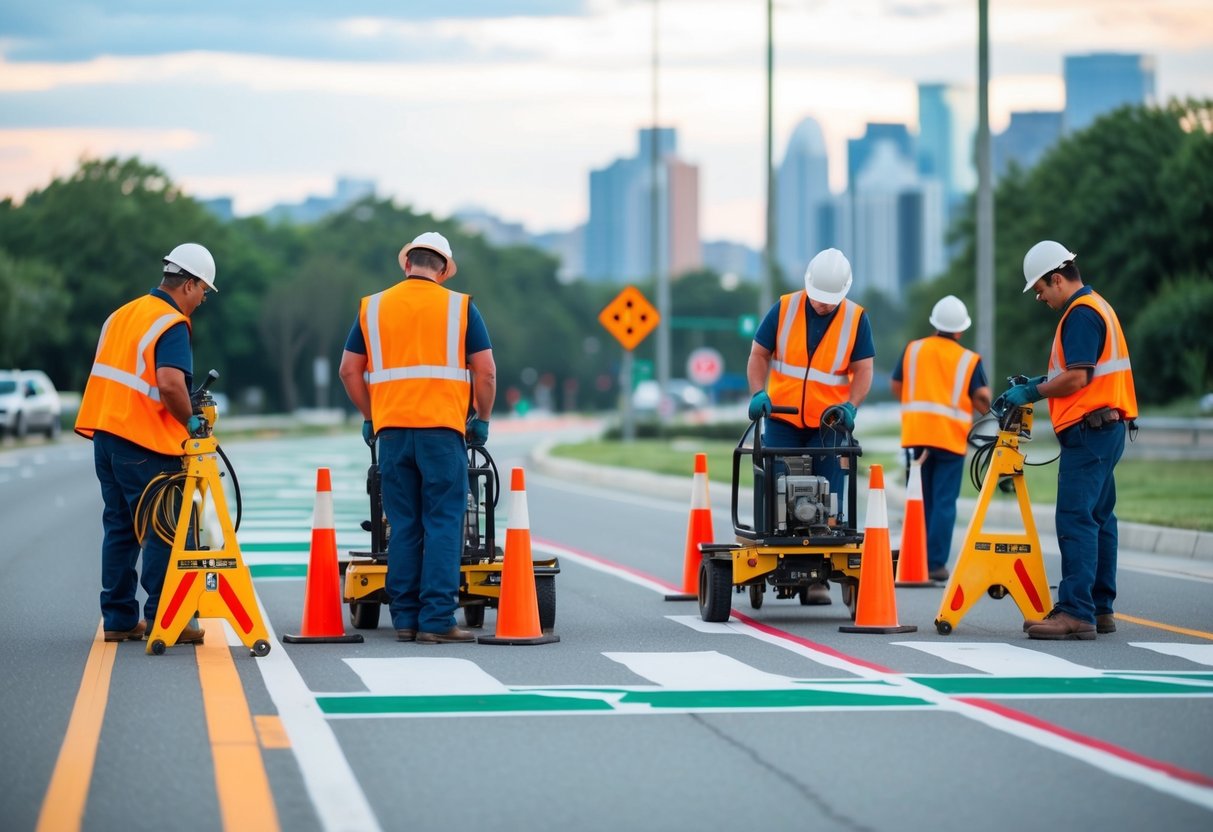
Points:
(28, 402)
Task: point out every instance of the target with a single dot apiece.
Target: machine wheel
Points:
(473, 615)
(261, 647)
(364, 615)
(158, 647)
(757, 591)
(850, 596)
(715, 581)
(943, 627)
(545, 593)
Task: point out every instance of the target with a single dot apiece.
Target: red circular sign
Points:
(705, 366)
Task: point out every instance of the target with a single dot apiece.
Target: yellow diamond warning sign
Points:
(629, 317)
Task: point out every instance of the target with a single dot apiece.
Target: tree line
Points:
(1132, 194)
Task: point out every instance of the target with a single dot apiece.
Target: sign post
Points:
(630, 318)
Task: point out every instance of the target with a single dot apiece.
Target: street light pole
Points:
(766, 292)
(660, 272)
(985, 197)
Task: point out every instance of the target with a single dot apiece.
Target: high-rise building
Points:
(619, 234)
(1028, 136)
(947, 125)
(858, 150)
(802, 187)
(1102, 81)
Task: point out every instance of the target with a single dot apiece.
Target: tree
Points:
(32, 303)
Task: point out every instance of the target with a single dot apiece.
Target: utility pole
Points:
(660, 272)
(767, 289)
(985, 198)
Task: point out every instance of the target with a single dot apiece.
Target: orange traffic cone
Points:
(876, 606)
(699, 530)
(322, 597)
(518, 606)
(912, 561)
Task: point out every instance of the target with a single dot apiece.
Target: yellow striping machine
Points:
(481, 563)
(801, 533)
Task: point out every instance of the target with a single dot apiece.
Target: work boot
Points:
(452, 636)
(1061, 626)
(818, 595)
(406, 634)
(191, 635)
(136, 633)
(940, 573)
(1105, 623)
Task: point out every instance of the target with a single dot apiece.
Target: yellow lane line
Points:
(63, 807)
(1183, 631)
(245, 799)
(271, 731)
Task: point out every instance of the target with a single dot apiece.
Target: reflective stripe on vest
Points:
(450, 371)
(836, 378)
(134, 380)
(934, 415)
(811, 383)
(1111, 383)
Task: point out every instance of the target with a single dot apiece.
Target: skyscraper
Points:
(858, 150)
(618, 238)
(946, 128)
(1102, 81)
(1029, 135)
(802, 188)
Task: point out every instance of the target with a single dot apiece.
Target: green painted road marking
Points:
(691, 700)
(300, 546)
(278, 570)
(455, 704)
(1160, 684)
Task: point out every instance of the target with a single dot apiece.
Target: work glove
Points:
(368, 432)
(760, 405)
(1022, 394)
(477, 432)
(848, 415)
(194, 424)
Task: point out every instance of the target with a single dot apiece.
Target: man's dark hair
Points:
(175, 281)
(426, 259)
(1069, 271)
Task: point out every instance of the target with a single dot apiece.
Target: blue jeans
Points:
(942, 472)
(1086, 518)
(780, 434)
(124, 470)
(425, 486)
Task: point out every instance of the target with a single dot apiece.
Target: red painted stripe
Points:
(233, 603)
(758, 625)
(183, 588)
(1025, 580)
(1090, 742)
(958, 598)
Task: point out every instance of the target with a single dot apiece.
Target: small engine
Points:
(803, 500)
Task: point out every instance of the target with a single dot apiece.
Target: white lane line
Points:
(1002, 659)
(1198, 653)
(335, 792)
(706, 670)
(424, 677)
(698, 624)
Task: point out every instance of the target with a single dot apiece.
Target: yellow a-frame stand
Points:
(999, 564)
(213, 583)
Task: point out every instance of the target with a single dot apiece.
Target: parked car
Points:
(28, 402)
(682, 394)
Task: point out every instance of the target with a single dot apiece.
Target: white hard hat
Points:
(1044, 258)
(950, 315)
(436, 243)
(828, 276)
(194, 260)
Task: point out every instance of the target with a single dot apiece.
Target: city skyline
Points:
(510, 112)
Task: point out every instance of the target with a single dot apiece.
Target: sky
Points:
(507, 105)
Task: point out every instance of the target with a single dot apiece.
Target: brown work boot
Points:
(1061, 626)
(451, 636)
(191, 635)
(135, 633)
(940, 573)
(1105, 623)
(818, 595)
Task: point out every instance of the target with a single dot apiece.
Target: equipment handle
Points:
(788, 409)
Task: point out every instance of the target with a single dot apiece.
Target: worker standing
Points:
(136, 409)
(812, 351)
(940, 384)
(1091, 398)
(414, 358)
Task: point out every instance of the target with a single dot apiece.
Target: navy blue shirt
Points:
(476, 340)
(1082, 334)
(768, 331)
(976, 383)
(173, 349)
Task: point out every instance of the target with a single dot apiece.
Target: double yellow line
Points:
(245, 799)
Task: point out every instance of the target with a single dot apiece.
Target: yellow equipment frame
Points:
(207, 582)
(999, 564)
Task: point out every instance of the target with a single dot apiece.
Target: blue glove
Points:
(194, 425)
(368, 432)
(1022, 394)
(760, 405)
(848, 415)
(477, 432)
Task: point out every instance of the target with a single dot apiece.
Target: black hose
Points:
(235, 486)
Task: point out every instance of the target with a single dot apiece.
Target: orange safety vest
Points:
(936, 410)
(811, 385)
(121, 396)
(417, 371)
(1111, 382)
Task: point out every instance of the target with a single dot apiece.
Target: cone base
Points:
(354, 638)
(682, 596)
(907, 628)
(546, 638)
(916, 583)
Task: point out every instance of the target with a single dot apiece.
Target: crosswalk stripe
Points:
(1002, 659)
(424, 676)
(1198, 653)
(707, 670)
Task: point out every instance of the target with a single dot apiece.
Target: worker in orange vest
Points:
(414, 359)
(940, 384)
(812, 351)
(136, 408)
(1091, 400)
